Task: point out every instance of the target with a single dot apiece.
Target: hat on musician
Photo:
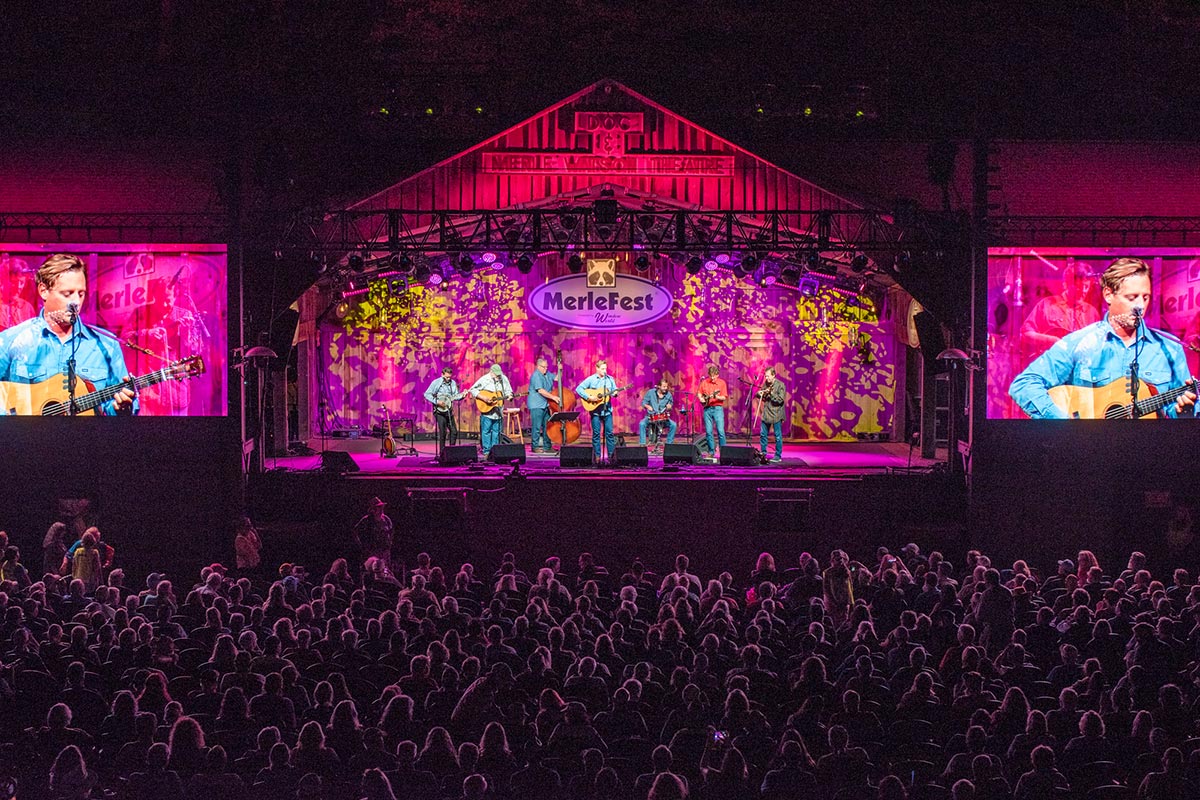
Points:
(496, 370)
(375, 502)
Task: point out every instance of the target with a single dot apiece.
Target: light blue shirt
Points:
(442, 389)
(30, 353)
(656, 403)
(540, 381)
(596, 382)
(1095, 356)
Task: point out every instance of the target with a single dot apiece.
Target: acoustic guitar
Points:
(49, 398)
(1112, 400)
(488, 401)
(387, 445)
(598, 397)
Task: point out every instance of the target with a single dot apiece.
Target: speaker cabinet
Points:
(455, 455)
(681, 454)
(507, 454)
(732, 456)
(337, 461)
(630, 457)
(575, 456)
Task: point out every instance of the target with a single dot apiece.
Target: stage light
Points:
(808, 287)
(789, 273)
(711, 264)
(498, 265)
(721, 258)
(356, 263)
(746, 266)
(575, 264)
(398, 286)
(812, 260)
(465, 265)
(488, 258)
(766, 275)
(436, 276)
(645, 222)
(422, 272)
(605, 208)
(903, 261)
(524, 265)
(641, 263)
(859, 263)
(405, 264)
(694, 265)
(569, 221)
(341, 310)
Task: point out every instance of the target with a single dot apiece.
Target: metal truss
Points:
(1101, 231)
(36, 227)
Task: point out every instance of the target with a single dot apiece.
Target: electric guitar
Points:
(1112, 400)
(50, 398)
(488, 401)
(598, 397)
(387, 445)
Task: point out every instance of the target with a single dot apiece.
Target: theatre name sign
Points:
(608, 156)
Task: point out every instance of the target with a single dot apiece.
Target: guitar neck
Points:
(1158, 402)
(94, 399)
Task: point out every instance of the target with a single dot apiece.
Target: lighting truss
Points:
(1110, 231)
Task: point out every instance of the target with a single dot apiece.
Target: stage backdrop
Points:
(383, 348)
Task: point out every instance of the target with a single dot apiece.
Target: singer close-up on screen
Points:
(107, 331)
(1092, 333)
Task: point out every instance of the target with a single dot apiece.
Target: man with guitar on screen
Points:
(713, 392)
(1089, 373)
(44, 346)
(596, 394)
(441, 393)
(490, 393)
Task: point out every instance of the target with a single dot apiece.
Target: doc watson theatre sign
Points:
(567, 301)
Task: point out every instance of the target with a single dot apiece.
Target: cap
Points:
(375, 502)
(1067, 563)
(496, 370)
(153, 578)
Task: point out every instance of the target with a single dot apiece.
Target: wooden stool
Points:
(512, 424)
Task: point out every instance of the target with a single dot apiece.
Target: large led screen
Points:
(158, 313)
(1060, 346)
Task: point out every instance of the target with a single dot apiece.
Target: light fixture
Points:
(859, 263)
(746, 266)
(808, 287)
(575, 263)
(356, 263)
(711, 264)
(397, 286)
(641, 263)
(488, 258)
(437, 275)
(812, 260)
(498, 265)
(903, 261)
(422, 272)
(524, 265)
(694, 265)
(766, 275)
(465, 265)
(405, 263)
(605, 208)
(789, 273)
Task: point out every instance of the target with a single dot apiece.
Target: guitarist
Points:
(39, 348)
(494, 380)
(1101, 353)
(713, 393)
(595, 385)
(441, 393)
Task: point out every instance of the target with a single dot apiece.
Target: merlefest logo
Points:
(629, 301)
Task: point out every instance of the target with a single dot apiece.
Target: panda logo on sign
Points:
(601, 273)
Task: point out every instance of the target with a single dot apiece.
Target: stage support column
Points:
(928, 410)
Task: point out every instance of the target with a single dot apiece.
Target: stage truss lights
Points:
(397, 286)
(694, 265)
(711, 264)
(812, 260)
(498, 265)
(356, 263)
(766, 275)
(642, 262)
(808, 287)
(404, 263)
(746, 266)
(465, 265)
(437, 276)
(488, 258)
(789, 274)
(859, 263)
(575, 264)
(524, 264)
(422, 272)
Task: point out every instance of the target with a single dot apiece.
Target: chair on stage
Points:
(512, 424)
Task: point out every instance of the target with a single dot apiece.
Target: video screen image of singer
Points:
(1092, 333)
(155, 314)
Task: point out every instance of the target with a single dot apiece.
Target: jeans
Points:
(714, 417)
(645, 423)
(537, 428)
(446, 428)
(489, 433)
(762, 437)
(604, 422)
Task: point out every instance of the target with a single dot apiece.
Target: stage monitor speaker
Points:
(507, 454)
(630, 457)
(575, 456)
(337, 461)
(681, 454)
(458, 454)
(732, 456)
(932, 340)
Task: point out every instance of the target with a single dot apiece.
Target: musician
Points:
(713, 393)
(441, 393)
(772, 397)
(602, 417)
(38, 348)
(1056, 315)
(658, 400)
(541, 392)
(494, 380)
(1102, 352)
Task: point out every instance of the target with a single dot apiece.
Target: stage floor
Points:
(800, 459)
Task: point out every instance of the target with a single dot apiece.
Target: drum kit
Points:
(660, 423)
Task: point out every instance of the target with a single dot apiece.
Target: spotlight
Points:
(711, 264)
(575, 264)
(808, 287)
(694, 265)
(605, 208)
(422, 272)
(903, 261)
(746, 266)
(405, 264)
(721, 258)
(524, 265)
(436, 276)
(645, 222)
(766, 275)
(569, 221)
(812, 260)
(488, 258)
(498, 265)
(356, 263)
(465, 265)
(642, 263)
(859, 263)
(341, 310)
(789, 273)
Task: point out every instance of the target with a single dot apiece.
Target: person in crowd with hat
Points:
(373, 533)
(494, 380)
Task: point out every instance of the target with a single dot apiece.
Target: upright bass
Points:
(560, 433)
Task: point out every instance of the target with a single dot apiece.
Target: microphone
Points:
(73, 309)
(1137, 312)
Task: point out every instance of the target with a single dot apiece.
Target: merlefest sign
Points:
(608, 130)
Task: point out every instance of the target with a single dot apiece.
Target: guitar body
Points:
(596, 398)
(489, 401)
(1088, 402)
(32, 399)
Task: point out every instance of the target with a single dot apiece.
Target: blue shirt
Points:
(540, 381)
(596, 382)
(31, 353)
(442, 389)
(656, 403)
(1095, 356)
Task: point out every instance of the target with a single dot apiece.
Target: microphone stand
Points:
(1134, 381)
(72, 378)
(750, 410)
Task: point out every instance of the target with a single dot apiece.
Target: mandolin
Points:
(1112, 400)
(488, 401)
(597, 397)
(387, 446)
(49, 398)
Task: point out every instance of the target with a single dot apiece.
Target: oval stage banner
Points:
(568, 301)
